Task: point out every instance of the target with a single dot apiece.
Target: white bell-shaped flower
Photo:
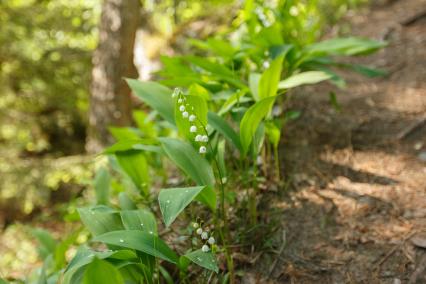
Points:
(203, 150)
(199, 231)
(211, 241)
(205, 248)
(198, 138)
(204, 235)
(192, 117)
(193, 129)
(205, 138)
(182, 108)
(185, 114)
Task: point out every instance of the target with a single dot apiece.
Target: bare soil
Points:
(354, 207)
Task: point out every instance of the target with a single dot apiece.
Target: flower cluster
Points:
(204, 235)
(187, 112)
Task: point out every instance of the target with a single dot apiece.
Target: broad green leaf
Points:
(74, 272)
(367, 71)
(344, 46)
(219, 124)
(251, 120)
(203, 259)
(102, 272)
(173, 200)
(254, 79)
(140, 219)
(47, 243)
(268, 84)
(101, 184)
(134, 163)
(198, 90)
(234, 99)
(100, 219)
(195, 105)
(145, 125)
(210, 66)
(304, 78)
(188, 160)
(125, 202)
(193, 164)
(140, 241)
(137, 144)
(157, 96)
(125, 133)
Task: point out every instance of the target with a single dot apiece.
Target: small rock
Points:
(422, 156)
(419, 240)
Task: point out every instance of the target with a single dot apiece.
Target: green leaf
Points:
(274, 133)
(232, 100)
(194, 165)
(124, 133)
(134, 163)
(304, 78)
(251, 120)
(100, 219)
(137, 144)
(173, 200)
(210, 66)
(221, 158)
(333, 101)
(203, 259)
(187, 159)
(47, 243)
(101, 184)
(102, 272)
(344, 46)
(125, 202)
(157, 96)
(198, 90)
(225, 129)
(140, 241)
(254, 79)
(140, 219)
(367, 71)
(197, 106)
(75, 269)
(268, 84)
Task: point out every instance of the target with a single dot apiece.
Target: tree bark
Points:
(110, 101)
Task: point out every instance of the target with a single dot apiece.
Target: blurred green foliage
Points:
(45, 55)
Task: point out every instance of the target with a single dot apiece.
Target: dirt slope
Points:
(356, 208)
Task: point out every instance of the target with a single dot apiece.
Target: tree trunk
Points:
(110, 102)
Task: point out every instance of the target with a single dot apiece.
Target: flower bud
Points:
(205, 138)
(195, 225)
(199, 231)
(192, 117)
(180, 101)
(182, 108)
(185, 114)
(198, 138)
(193, 129)
(204, 235)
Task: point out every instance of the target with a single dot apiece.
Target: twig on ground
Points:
(393, 250)
(284, 242)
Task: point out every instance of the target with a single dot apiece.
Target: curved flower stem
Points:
(224, 232)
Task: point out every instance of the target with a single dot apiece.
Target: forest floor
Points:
(355, 210)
